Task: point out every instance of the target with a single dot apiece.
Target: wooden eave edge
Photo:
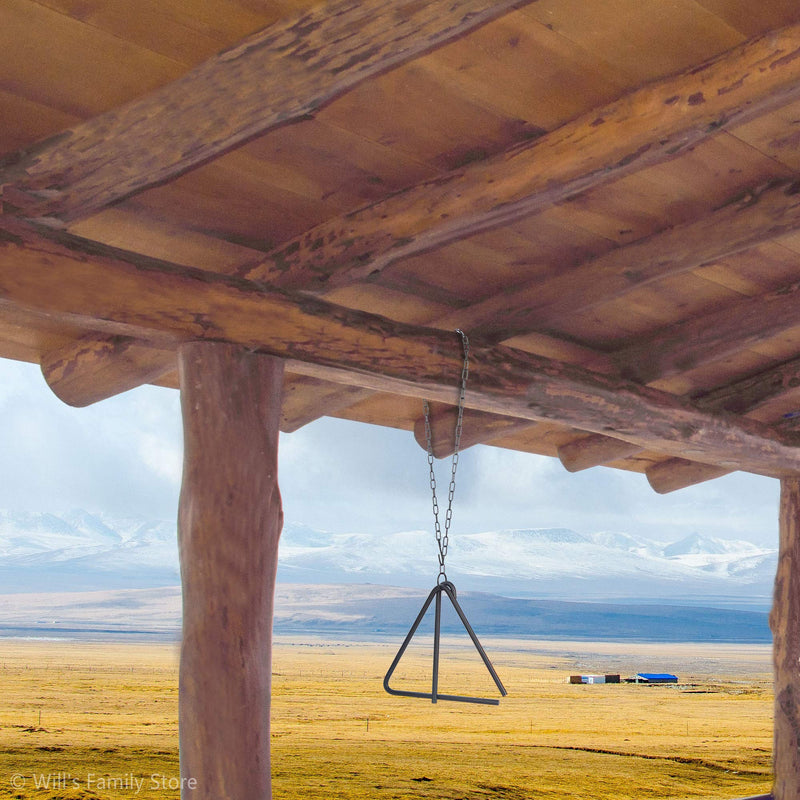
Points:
(115, 292)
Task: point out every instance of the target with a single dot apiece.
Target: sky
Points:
(123, 456)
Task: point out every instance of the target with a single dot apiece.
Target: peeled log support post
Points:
(785, 624)
(229, 524)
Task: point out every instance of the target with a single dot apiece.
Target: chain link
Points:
(443, 537)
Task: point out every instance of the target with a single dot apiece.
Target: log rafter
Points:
(594, 450)
(276, 76)
(750, 393)
(758, 217)
(744, 221)
(127, 293)
(680, 473)
(736, 326)
(478, 427)
(646, 127)
(740, 397)
(96, 367)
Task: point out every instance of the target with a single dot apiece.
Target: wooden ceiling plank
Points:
(77, 280)
(646, 127)
(752, 392)
(737, 326)
(276, 76)
(59, 62)
(652, 40)
(739, 13)
(678, 473)
(743, 222)
(25, 120)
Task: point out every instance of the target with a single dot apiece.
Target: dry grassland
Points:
(108, 722)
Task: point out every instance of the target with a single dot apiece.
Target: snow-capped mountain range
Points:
(79, 551)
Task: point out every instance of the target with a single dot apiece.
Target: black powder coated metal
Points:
(449, 589)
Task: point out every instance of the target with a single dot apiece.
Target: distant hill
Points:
(80, 551)
(359, 611)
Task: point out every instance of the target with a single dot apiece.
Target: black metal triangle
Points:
(449, 589)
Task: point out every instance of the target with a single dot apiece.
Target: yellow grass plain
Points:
(108, 724)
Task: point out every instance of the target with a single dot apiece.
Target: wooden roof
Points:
(603, 195)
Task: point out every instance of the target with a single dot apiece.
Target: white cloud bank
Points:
(123, 456)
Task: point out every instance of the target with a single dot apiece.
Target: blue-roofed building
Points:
(653, 677)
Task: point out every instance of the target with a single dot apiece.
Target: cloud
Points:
(101, 458)
(124, 455)
(344, 476)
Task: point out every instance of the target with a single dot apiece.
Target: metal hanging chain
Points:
(443, 538)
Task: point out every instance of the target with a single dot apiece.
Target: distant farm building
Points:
(653, 677)
(594, 679)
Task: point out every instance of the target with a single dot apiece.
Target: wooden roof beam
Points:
(757, 216)
(684, 345)
(127, 294)
(749, 219)
(274, 77)
(96, 367)
(478, 427)
(739, 397)
(679, 473)
(594, 451)
(645, 127)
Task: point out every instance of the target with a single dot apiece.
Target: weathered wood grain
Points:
(785, 625)
(744, 221)
(753, 391)
(648, 126)
(130, 295)
(678, 473)
(682, 346)
(308, 399)
(594, 451)
(274, 77)
(230, 521)
(740, 397)
(478, 427)
(96, 367)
